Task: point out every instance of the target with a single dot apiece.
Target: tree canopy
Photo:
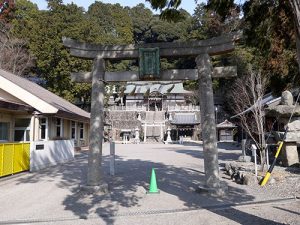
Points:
(269, 42)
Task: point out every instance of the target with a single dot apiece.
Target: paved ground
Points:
(52, 196)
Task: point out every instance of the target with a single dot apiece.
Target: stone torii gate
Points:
(201, 50)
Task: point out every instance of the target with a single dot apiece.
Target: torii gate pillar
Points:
(208, 125)
(94, 173)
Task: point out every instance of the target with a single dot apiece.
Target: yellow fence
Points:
(14, 158)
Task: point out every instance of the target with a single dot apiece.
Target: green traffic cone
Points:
(153, 185)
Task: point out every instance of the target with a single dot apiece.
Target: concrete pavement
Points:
(52, 196)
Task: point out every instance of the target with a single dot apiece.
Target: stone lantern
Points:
(137, 135)
(169, 140)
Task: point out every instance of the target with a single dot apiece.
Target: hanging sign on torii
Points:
(201, 50)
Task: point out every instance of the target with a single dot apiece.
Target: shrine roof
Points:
(161, 87)
(226, 124)
(185, 119)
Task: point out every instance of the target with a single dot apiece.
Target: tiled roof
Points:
(226, 124)
(167, 88)
(185, 119)
(57, 102)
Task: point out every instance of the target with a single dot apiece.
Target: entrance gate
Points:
(201, 50)
(14, 158)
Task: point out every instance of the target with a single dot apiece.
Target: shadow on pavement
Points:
(229, 146)
(128, 189)
(287, 210)
(226, 151)
(243, 217)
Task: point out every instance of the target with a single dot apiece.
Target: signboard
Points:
(39, 147)
(149, 63)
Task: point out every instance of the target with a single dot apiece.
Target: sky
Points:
(188, 5)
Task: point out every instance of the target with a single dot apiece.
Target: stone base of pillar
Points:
(168, 141)
(136, 141)
(219, 191)
(98, 189)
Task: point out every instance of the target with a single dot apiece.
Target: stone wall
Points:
(123, 120)
(129, 120)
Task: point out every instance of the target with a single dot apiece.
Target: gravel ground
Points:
(287, 185)
(283, 183)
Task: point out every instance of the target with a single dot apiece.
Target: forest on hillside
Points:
(31, 40)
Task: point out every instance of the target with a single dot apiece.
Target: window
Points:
(226, 135)
(226, 132)
(73, 130)
(22, 129)
(4, 131)
(59, 127)
(81, 130)
(43, 135)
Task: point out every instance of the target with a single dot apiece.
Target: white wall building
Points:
(30, 113)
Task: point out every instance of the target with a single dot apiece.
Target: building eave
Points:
(72, 116)
(15, 106)
(26, 96)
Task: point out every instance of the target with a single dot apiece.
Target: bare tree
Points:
(246, 101)
(14, 56)
(295, 4)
